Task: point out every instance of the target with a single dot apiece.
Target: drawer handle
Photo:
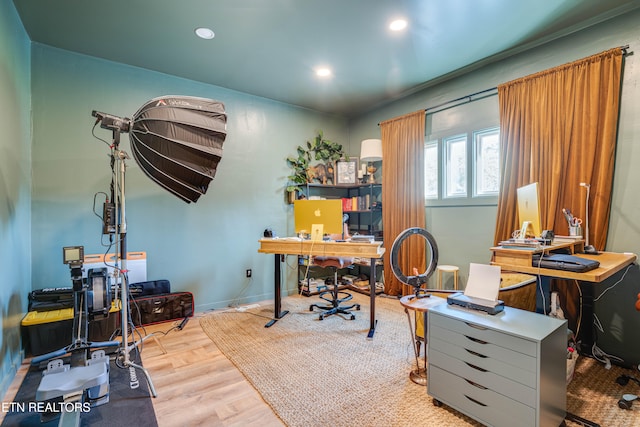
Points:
(475, 340)
(473, 325)
(477, 368)
(475, 401)
(475, 353)
(476, 384)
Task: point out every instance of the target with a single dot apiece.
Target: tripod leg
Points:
(148, 377)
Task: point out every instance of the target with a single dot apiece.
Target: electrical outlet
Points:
(248, 272)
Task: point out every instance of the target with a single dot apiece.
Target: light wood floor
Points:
(196, 384)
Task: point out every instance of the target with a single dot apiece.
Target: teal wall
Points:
(50, 177)
(464, 234)
(15, 188)
(203, 248)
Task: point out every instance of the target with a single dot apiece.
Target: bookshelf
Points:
(363, 204)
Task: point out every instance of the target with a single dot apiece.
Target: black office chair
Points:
(334, 296)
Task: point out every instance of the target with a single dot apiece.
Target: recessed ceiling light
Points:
(205, 33)
(323, 72)
(398, 25)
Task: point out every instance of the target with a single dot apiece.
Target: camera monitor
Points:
(73, 254)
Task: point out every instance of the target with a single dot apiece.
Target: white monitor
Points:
(529, 210)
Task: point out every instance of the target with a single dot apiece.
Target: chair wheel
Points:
(321, 317)
(437, 403)
(310, 308)
(353, 317)
(358, 307)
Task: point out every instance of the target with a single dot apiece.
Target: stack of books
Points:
(521, 244)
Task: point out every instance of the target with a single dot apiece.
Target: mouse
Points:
(590, 250)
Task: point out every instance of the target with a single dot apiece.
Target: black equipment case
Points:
(153, 287)
(161, 308)
(49, 299)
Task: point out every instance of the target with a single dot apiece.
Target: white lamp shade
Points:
(371, 150)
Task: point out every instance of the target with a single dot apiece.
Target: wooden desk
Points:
(296, 246)
(520, 260)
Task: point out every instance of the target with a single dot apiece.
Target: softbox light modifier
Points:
(177, 141)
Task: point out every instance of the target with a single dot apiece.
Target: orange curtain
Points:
(559, 128)
(403, 194)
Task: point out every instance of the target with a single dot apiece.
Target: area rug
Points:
(126, 406)
(316, 373)
(327, 372)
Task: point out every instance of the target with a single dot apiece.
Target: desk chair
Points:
(334, 296)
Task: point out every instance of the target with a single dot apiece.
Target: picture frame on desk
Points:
(346, 171)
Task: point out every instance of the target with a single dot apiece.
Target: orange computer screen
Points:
(325, 212)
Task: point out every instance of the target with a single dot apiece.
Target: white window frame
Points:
(471, 197)
(433, 158)
(478, 161)
(449, 189)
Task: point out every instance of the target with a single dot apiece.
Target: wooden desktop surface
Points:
(296, 246)
(421, 304)
(520, 260)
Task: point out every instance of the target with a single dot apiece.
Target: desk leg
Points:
(372, 298)
(543, 304)
(585, 334)
(277, 315)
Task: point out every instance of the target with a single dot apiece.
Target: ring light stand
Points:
(415, 281)
(419, 374)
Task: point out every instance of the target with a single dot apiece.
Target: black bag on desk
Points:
(564, 262)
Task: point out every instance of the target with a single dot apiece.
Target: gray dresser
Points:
(507, 369)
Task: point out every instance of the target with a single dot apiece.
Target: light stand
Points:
(121, 256)
(588, 249)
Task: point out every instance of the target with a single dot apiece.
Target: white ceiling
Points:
(270, 48)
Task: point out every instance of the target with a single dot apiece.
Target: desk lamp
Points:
(588, 249)
(371, 151)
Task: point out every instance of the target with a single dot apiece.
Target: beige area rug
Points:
(318, 373)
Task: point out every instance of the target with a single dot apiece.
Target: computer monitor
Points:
(310, 213)
(529, 210)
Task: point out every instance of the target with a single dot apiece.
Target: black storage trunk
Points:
(153, 287)
(161, 308)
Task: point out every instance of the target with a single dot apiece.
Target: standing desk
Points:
(296, 246)
(521, 261)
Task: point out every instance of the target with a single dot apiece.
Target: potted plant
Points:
(319, 149)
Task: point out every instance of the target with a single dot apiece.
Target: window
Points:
(462, 154)
(455, 166)
(486, 162)
(431, 170)
(448, 179)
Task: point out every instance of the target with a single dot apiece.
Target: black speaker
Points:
(547, 237)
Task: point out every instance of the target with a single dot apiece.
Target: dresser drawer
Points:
(484, 334)
(498, 381)
(485, 405)
(516, 365)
